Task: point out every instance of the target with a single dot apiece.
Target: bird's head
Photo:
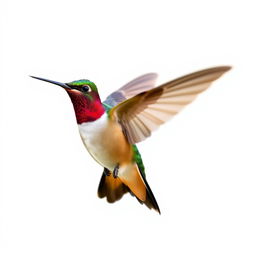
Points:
(85, 98)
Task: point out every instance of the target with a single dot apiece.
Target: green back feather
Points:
(137, 158)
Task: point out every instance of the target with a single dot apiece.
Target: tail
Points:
(111, 188)
(129, 180)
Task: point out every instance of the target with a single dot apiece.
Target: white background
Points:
(200, 166)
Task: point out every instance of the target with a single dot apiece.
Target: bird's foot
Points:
(115, 172)
(107, 172)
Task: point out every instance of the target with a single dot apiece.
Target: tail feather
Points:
(134, 182)
(150, 201)
(111, 188)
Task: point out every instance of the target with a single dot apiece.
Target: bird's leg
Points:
(106, 171)
(115, 172)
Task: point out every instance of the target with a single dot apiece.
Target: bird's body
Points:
(107, 144)
(105, 141)
(110, 129)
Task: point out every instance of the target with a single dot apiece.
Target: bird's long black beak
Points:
(65, 86)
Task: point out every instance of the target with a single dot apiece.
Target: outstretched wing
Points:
(145, 112)
(136, 86)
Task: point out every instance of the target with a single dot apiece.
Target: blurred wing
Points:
(144, 113)
(136, 86)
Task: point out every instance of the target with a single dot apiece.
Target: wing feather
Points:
(140, 84)
(145, 112)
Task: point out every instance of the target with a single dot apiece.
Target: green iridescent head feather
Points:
(82, 82)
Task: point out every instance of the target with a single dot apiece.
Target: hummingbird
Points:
(111, 129)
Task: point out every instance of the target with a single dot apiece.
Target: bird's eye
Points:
(85, 88)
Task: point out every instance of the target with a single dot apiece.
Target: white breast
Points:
(90, 130)
(93, 135)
